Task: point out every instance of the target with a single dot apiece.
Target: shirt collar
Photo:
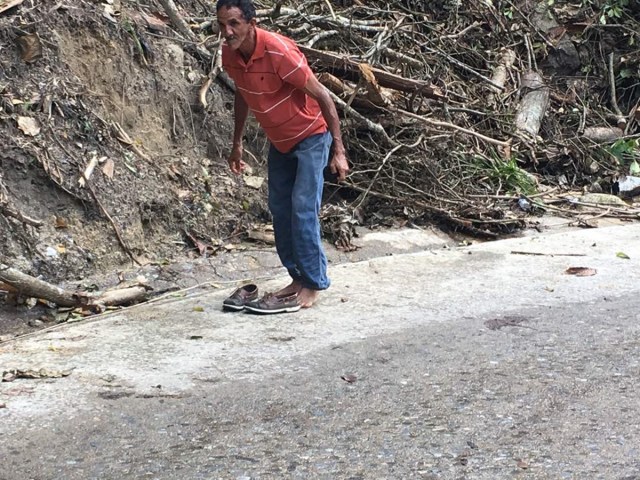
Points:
(258, 52)
(260, 45)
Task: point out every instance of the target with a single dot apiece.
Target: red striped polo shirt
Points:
(271, 83)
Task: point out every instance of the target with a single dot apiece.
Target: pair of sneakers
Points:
(246, 298)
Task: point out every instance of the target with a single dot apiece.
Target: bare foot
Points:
(293, 287)
(307, 297)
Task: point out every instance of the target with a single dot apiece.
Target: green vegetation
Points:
(505, 175)
(626, 152)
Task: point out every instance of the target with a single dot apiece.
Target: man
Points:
(275, 83)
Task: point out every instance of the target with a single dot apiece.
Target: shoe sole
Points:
(266, 311)
(233, 308)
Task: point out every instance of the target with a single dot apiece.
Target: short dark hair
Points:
(247, 7)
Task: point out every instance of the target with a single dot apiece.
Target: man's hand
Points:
(339, 165)
(235, 160)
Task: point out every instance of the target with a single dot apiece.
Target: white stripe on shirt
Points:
(274, 106)
(301, 133)
(286, 47)
(258, 93)
(297, 68)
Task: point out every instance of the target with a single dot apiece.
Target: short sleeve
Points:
(293, 68)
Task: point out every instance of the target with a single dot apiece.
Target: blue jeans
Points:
(295, 193)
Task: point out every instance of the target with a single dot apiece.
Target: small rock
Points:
(253, 181)
(524, 204)
(35, 323)
(628, 187)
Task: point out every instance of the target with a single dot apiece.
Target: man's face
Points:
(235, 29)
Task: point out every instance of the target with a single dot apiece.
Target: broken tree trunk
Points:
(29, 286)
(176, 19)
(603, 134)
(534, 104)
(34, 287)
(349, 69)
(122, 296)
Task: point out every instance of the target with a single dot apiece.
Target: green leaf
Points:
(130, 168)
(623, 255)
(198, 309)
(634, 168)
(626, 73)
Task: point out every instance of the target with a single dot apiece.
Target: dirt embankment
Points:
(107, 92)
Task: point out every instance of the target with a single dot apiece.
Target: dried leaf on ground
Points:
(349, 378)
(61, 222)
(29, 126)
(109, 168)
(30, 47)
(581, 271)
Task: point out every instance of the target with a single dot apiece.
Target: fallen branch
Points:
(463, 66)
(88, 171)
(345, 67)
(122, 296)
(538, 254)
(126, 139)
(437, 123)
(603, 134)
(178, 22)
(11, 4)
(7, 211)
(622, 120)
(36, 288)
(10, 212)
(176, 19)
(374, 127)
(507, 59)
(33, 287)
(392, 53)
(463, 223)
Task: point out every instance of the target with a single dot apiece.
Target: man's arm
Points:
(240, 114)
(318, 92)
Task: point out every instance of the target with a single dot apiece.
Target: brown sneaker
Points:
(240, 298)
(271, 303)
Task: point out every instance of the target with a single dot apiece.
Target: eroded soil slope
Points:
(108, 92)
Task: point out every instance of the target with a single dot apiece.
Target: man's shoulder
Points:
(274, 42)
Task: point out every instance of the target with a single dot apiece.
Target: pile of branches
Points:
(458, 111)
